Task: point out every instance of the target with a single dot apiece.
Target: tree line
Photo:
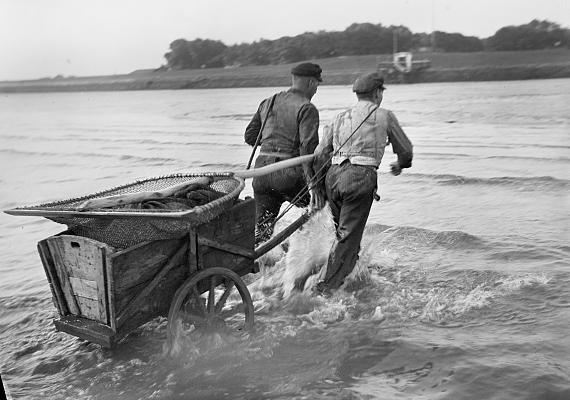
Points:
(358, 39)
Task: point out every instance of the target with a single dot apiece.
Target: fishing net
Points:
(152, 219)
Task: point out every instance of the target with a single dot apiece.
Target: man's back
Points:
(361, 133)
(291, 124)
(286, 125)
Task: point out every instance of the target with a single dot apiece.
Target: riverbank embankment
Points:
(444, 67)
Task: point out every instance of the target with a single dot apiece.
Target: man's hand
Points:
(395, 169)
(317, 200)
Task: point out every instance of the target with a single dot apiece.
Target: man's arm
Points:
(323, 153)
(401, 144)
(252, 130)
(325, 147)
(308, 119)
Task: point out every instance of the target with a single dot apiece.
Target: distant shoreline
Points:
(445, 67)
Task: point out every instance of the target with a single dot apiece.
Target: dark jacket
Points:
(291, 128)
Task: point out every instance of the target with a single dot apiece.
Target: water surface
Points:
(462, 289)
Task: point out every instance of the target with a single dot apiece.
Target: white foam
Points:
(513, 283)
(403, 292)
(308, 251)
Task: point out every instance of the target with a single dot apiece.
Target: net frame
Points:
(120, 227)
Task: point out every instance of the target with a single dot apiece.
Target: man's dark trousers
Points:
(350, 192)
(272, 190)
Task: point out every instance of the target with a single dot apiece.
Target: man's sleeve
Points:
(323, 153)
(401, 145)
(253, 127)
(308, 119)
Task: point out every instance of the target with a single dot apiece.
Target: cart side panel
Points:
(156, 303)
(79, 268)
(137, 265)
(144, 279)
(234, 233)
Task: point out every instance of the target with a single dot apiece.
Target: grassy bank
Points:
(445, 67)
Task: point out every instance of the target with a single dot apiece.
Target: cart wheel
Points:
(200, 304)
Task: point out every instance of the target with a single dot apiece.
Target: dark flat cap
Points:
(368, 82)
(308, 69)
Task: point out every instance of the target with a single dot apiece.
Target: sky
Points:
(45, 38)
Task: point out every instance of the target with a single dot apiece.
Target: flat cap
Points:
(368, 82)
(308, 69)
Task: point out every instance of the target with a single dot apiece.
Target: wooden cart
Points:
(102, 293)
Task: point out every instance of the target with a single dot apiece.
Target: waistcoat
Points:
(367, 144)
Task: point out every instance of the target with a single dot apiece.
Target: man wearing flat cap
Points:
(354, 144)
(285, 125)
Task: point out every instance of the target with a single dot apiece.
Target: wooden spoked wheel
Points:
(201, 304)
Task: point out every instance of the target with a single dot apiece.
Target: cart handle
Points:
(282, 235)
(291, 162)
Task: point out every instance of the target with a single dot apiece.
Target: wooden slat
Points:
(230, 248)
(89, 308)
(157, 303)
(80, 267)
(110, 290)
(63, 275)
(87, 329)
(84, 288)
(192, 252)
(282, 235)
(140, 263)
(139, 300)
(51, 274)
(102, 287)
(235, 226)
(228, 240)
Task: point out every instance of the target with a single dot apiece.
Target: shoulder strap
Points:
(261, 130)
(354, 131)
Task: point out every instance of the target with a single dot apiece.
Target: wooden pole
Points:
(291, 162)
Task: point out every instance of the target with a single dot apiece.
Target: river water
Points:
(461, 291)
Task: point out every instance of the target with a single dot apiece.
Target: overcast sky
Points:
(43, 38)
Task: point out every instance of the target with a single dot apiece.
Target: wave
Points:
(536, 182)
(194, 143)
(121, 157)
(447, 156)
(425, 242)
(149, 160)
(388, 282)
(554, 159)
(184, 141)
(453, 299)
(402, 235)
(53, 153)
(16, 303)
(222, 166)
(233, 116)
(454, 144)
(453, 156)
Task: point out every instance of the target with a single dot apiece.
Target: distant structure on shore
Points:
(402, 68)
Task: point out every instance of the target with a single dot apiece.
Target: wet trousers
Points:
(350, 191)
(271, 191)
